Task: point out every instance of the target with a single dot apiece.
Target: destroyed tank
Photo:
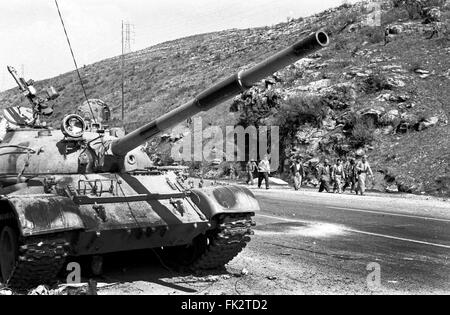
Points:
(88, 190)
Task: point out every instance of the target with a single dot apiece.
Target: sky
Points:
(33, 40)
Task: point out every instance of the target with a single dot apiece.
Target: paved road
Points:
(338, 236)
(310, 243)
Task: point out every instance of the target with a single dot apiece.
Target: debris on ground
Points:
(5, 292)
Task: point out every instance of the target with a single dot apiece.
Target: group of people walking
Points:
(262, 169)
(338, 177)
(335, 178)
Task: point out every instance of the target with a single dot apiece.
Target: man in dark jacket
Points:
(350, 175)
(325, 176)
(297, 172)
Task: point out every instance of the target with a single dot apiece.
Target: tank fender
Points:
(44, 214)
(229, 199)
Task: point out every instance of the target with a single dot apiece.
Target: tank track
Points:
(39, 262)
(226, 242)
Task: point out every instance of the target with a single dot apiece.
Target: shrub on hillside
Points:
(416, 8)
(376, 82)
(393, 16)
(362, 134)
(301, 109)
(374, 34)
(339, 98)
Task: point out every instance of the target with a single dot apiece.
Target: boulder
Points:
(391, 118)
(313, 162)
(372, 114)
(309, 134)
(360, 152)
(395, 83)
(395, 29)
(428, 123)
(408, 122)
(392, 189)
(421, 71)
(329, 124)
(388, 130)
(318, 85)
(432, 14)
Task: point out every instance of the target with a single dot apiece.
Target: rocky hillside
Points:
(362, 94)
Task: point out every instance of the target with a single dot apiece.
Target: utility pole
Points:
(129, 34)
(127, 38)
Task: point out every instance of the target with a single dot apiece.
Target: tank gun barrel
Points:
(222, 92)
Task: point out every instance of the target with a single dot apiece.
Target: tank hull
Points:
(129, 212)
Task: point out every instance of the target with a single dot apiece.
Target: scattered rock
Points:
(395, 29)
(395, 82)
(391, 118)
(40, 290)
(392, 189)
(373, 113)
(432, 14)
(400, 98)
(421, 71)
(317, 85)
(5, 292)
(428, 123)
(408, 121)
(313, 162)
(360, 152)
(388, 130)
(406, 184)
(244, 272)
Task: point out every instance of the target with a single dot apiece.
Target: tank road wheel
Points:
(9, 249)
(219, 246)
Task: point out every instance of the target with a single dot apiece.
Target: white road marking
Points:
(362, 232)
(399, 238)
(391, 214)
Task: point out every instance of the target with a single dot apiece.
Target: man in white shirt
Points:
(363, 169)
(264, 171)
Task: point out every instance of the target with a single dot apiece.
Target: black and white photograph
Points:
(223, 154)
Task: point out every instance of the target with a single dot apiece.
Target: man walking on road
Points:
(362, 169)
(338, 175)
(325, 176)
(350, 175)
(298, 173)
(264, 171)
(251, 168)
(232, 172)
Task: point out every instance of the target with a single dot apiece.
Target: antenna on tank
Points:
(75, 61)
(123, 75)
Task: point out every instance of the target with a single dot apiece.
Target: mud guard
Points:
(38, 215)
(229, 199)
